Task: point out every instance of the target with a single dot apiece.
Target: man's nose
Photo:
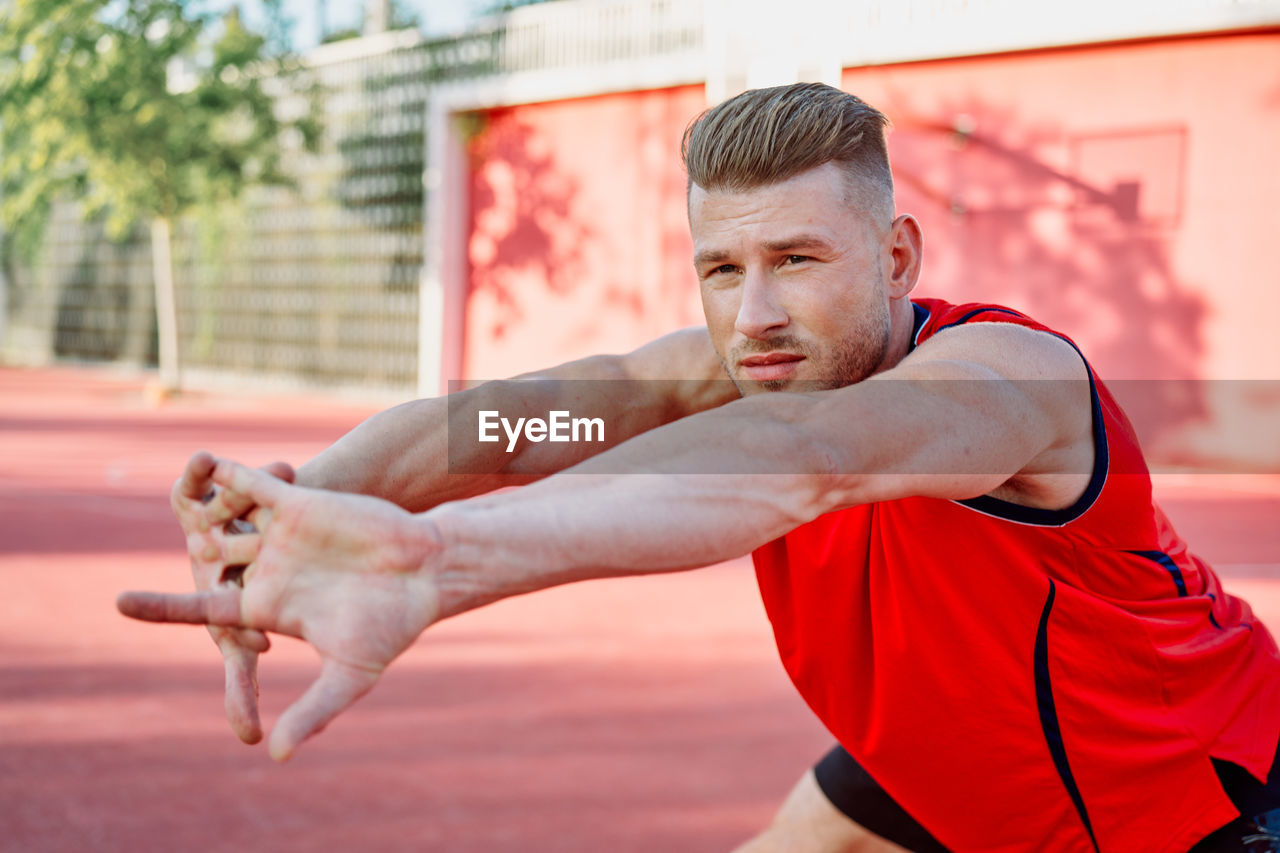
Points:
(760, 311)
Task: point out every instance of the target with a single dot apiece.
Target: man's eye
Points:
(723, 269)
(797, 259)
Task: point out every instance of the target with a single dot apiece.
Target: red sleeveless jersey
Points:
(1023, 679)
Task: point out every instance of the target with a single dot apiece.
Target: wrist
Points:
(456, 586)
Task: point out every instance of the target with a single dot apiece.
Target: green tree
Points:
(140, 109)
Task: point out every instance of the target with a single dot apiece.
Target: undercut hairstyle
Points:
(765, 136)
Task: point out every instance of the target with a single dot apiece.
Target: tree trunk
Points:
(166, 305)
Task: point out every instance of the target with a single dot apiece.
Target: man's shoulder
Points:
(996, 334)
(936, 315)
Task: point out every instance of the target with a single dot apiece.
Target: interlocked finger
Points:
(245, 639)
(259, 518)
(256, 486)
(225, 506)
(194, 482)
(241, 549)
(193, 488)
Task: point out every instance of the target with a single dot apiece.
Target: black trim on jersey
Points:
(1213, 621)
(1176, 573)
(1101, 463)
(919, 319)
(975, 312)
(1171, 567)
(1049, 715)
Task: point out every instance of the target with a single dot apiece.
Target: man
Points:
(951, 522)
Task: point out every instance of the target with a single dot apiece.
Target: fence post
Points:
(166, 305)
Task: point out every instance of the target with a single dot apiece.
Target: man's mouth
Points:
(770, 366)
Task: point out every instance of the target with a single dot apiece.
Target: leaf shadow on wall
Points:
(522, 220)
(658, 284)
(1076, 229)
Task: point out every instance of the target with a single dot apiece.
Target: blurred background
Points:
(248, 226)
(386, 197)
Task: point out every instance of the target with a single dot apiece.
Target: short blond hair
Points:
(765, 136)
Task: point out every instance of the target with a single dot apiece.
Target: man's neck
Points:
(901, 324)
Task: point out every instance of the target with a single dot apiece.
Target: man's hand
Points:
(205, 514)
(343, 572)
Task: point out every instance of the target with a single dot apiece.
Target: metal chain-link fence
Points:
(316, 285)
(319, 283)
(84, 298)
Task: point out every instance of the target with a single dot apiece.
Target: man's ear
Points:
(906, 245)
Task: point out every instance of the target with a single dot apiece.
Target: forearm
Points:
(637, 509)
(400, 455)
(780, 460)
(426, 452)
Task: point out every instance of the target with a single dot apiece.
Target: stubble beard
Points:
(845, 362)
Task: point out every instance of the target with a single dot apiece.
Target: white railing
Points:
(594, 32)
(877, 32)
(734, 43)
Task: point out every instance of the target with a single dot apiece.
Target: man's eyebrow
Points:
(798, 243)
(710, 256)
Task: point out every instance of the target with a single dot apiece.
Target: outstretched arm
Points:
(979, 409)
(403, 455)
(360, 578)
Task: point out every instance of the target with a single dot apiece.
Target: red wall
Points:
(1124, 194)
(579, 241)
(1178, 284)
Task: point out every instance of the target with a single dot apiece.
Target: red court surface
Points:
(626, 715)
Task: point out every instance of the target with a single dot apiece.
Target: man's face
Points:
(794, 282)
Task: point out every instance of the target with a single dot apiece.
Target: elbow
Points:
(811, 474)
(828, 477)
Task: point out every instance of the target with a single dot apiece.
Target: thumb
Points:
(337, 687)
